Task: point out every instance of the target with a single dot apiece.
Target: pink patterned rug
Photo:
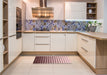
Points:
(52, 60)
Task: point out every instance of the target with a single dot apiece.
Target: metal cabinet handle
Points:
(12, 35)
(85, 40)
(84, 49)
(42, 44)
(42, 36)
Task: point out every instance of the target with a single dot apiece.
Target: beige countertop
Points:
(96, 35)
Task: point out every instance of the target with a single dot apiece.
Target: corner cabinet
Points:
(71, 42)
(87, 49)
(58, 41)
(75, 10)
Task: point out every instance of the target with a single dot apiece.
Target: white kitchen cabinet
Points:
(42, 42)
(28, 42)
(58, 41)
(19, 45)
(42, 47)
(1, 55)
(1, 61)
(87, 48)
(12, 17)
(71, 42)
(1, 16)
(12, 48)
(75, 10)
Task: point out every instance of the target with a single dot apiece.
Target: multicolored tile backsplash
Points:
(48, 25)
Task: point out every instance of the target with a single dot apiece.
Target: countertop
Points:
(96, 35)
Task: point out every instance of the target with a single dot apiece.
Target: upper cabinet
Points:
(75, 10)
(91, 10)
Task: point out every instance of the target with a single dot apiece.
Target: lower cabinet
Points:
(12, 48)
(19, 45)
(71, 42)
(15, 48)
(1, 55)
(58, 41)
(87, 49)
(49, 42)
(28, 42)
(42, 42)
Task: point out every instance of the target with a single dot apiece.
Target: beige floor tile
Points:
(41, 73)
(24, 66)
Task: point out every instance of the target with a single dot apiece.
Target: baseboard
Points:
(10, 64)
(49, 53)
(91, 67)
(101, 71)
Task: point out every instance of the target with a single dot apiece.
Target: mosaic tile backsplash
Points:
(48, 25)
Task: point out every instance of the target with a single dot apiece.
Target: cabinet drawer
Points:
(87, 42)
(42, 40)
(42, 47)
(58, 35)
(85, 51)
(42, 34)
(84, 39)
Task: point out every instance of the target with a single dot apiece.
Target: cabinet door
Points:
(1, 10)
(28, 42)
(75, 10)
(92, 52)
(12, 48)
(19, 45)
(87, 48)
(1, 55)
(71, 42)
(58, 42)
(12, 17)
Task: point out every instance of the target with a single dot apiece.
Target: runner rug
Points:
(52, 60)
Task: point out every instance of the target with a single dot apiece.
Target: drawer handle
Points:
(84, 49)
(42, 36)
(42, 44)
(84, 40)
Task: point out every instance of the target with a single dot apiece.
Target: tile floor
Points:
(24, 66)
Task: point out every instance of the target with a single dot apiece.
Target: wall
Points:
(100, 9)
(48, 25)
(29, 5)
(100, 13)
(105, 16)
(57, 4)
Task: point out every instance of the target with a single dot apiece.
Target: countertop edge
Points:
(82, 33)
